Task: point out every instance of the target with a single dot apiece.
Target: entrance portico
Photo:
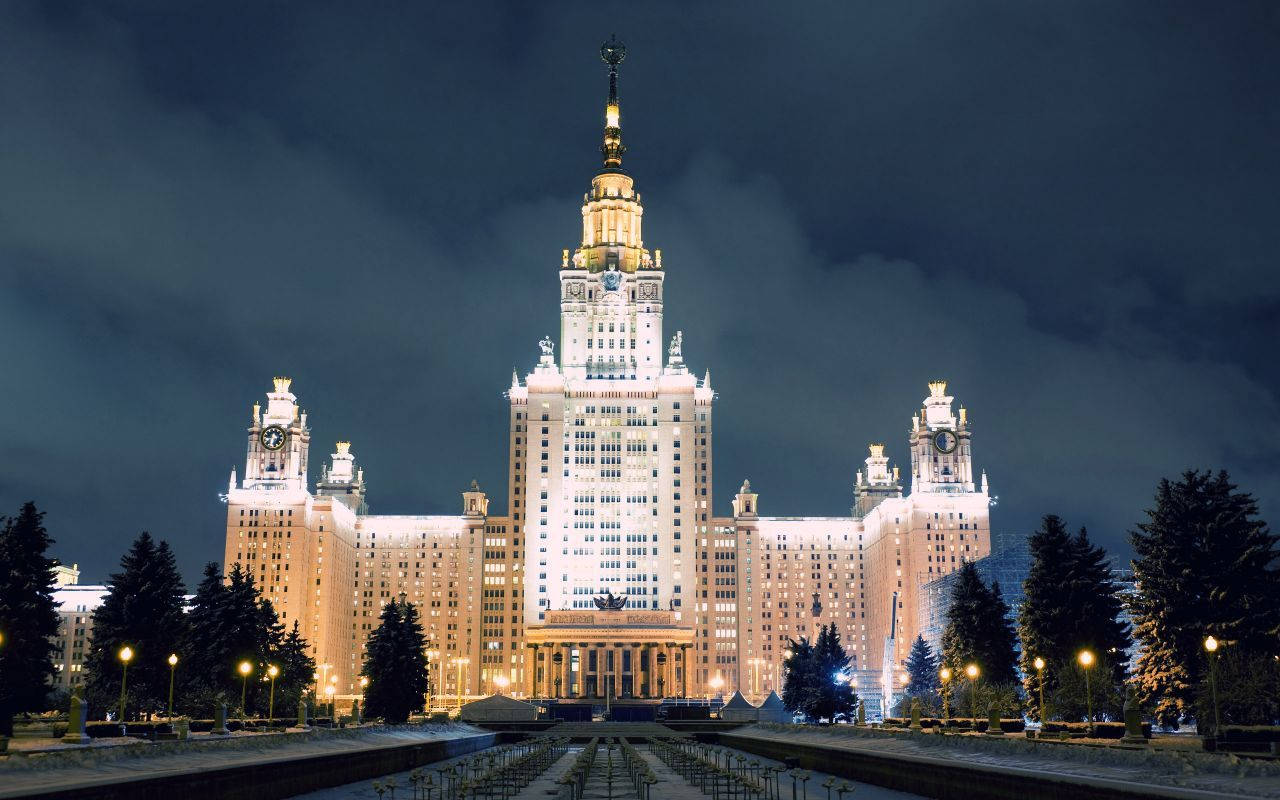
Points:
(614, 653)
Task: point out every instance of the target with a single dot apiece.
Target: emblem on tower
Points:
(610, 602)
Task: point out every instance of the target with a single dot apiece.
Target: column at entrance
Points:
(684, 670)
(635, 670)
(617, 672)
(531, 671)
(565, 656)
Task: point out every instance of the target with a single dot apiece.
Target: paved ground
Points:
(20, 776)
(812, 789)
(1228, 775)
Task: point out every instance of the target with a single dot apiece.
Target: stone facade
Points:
(610, 490)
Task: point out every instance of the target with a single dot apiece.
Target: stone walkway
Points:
(19, 776)
(1228, 775)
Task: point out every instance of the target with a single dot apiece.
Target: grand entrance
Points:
(612, 653)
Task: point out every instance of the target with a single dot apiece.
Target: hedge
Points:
(1101, 730)
(149, 730)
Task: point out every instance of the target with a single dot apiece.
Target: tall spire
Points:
(612, 52)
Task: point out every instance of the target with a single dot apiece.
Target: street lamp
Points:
(1211, 646)
(126, 655)
(328, 694)
(245, 669)
(272, 672)
(715, 683)
(1087, 659)
(173, 664)
(459, 662)
(1039, 665)
(432, 655)
(502, 682)
(945, 674)
(973, 672)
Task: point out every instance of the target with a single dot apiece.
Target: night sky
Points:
(1068, 210)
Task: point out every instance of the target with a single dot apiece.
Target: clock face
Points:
(944, 441)
(612, 280)
(272, 437)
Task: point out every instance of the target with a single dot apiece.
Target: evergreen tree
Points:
(230, 623)
(833, 690)
(297, 666)
(798, 676)
(922, 666)
(978, 630)
(816, 682)
(1071, 604)
(1206, 565)
(143, 610)
(396, 665)
(28, 618)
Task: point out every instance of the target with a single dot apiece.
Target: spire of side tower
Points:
(612, 52)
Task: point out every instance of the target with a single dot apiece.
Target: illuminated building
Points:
(609, 493)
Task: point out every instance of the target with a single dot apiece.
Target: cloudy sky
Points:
(1069, 211)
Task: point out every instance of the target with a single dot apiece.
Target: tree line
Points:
(1205, 566)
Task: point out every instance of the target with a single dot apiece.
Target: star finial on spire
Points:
(612, 52)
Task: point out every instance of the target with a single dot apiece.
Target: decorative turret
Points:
(342, 480)
(746, 503)
(878, 482)
(474, 501)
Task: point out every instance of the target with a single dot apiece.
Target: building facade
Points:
(610, 494)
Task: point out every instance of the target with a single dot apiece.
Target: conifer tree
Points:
(28, 618)
(230, 622)
(978, 630)
(1071, 604)
(833, 690)
(143, 610)
(922, 666)
(798, 676)
(396, 665)
(1206, 565)
(296, 665)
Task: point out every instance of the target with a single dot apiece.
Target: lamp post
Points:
(459, 662)
(272, 672)
(502, 682)
(173, 664)
(126, 655)
(945, 675)
(432, 655)
(328, 693)
(715, 683)
(1039, 665)
(973, 672)
(1087, 659)
(1211, 647)
(245, 668)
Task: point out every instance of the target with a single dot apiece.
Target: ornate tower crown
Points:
(282, 384)
(877, 450)
(937, 388)
(344, 448)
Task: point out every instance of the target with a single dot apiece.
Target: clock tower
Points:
(279, 442)
(941, 460)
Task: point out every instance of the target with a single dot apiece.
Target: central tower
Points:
(610, 441)
(610, 287)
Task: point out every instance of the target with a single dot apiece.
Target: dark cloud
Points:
(1067, 211)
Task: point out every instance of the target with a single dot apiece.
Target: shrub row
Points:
(1261, 734)
(149, 730)
(957, 724)
(1101, 730)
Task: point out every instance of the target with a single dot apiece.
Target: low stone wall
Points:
(271, 777)
(949, 778)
